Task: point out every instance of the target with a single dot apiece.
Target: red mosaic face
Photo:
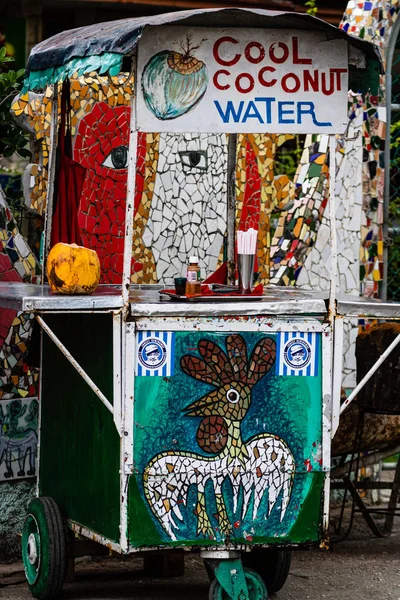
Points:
(101, 146)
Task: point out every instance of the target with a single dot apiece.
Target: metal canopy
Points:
(120, 37)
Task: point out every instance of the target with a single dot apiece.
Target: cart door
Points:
(227, 438)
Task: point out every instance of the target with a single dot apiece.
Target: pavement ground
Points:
(360, 568)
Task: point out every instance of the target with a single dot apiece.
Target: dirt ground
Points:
(359, 568)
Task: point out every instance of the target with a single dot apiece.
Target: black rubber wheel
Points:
(44, 549)
(271, 564)
(255, 585)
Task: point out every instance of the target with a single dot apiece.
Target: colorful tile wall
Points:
(370, 21)
(18, 264)
(17, 261)
(260, 192)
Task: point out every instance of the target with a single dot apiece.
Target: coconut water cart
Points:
(201, 425)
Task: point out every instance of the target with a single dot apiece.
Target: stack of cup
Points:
(247, 243)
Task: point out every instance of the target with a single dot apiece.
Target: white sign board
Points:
(241, 81)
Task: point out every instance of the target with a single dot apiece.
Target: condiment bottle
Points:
(193, 284)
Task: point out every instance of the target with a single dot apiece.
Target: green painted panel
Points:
(80, 447)
(365, 80)
(110, 62)
(227, 439)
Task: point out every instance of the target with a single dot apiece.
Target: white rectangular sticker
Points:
(297, 354)
(155, 353)
(241, 80)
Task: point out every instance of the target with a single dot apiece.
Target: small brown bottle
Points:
(193, 283)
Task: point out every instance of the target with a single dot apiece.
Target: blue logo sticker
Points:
(297, 354)
(154, 353)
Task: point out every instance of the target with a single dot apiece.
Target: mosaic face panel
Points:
(188, 210)
(185, 175)
(228, 443)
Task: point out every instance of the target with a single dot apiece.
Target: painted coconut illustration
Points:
(174, 82)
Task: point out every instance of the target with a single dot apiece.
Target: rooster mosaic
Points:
(262, 464)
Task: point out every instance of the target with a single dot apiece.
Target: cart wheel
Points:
(44, 549)
(255, 585)
(272, 565)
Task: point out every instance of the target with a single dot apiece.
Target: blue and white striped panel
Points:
(297, 354)
(155, 353)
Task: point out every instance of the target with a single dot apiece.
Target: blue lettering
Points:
(308, 108)
(251, 115)
(230, 110)
(268, 103)
(282, 112)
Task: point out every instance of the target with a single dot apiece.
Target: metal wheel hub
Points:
(32, 549)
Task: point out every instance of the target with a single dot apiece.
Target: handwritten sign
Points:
(241, 80)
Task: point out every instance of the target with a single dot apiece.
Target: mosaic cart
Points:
(168, 425)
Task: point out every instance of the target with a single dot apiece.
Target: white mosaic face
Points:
(188, 211)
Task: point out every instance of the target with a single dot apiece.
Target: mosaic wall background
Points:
(18, 438)
(372, 21)
(18, 264)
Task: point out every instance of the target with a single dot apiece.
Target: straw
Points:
(247, 241)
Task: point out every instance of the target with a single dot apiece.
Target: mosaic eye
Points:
(194, 160)
(117, 159)
(233, 396)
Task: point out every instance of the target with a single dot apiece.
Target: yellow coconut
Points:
(73, 269)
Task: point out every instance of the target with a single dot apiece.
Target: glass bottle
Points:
(193, 283)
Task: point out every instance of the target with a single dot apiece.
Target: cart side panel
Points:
(227, 439)
(80, 446)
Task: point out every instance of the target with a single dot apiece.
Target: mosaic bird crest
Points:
(231, 373)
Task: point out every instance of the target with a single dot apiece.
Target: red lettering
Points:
(216, 48)
(261, 78)
(310, 82)
(272, 53)
(331, 83)
(285, 86)
(296, 59)
(261, 52)
(216, 82)
(338, 73)
(239, 86)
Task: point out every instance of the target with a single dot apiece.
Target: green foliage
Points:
(312, 7)
(288, 156)
(12, 137)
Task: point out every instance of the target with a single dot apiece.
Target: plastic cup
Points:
(180, 285)
(246, 270)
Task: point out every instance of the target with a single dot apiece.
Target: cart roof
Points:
(101, 47)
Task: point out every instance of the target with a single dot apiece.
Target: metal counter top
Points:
(275, 301)
(146, 301)
(29, 297)
(371, 308)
